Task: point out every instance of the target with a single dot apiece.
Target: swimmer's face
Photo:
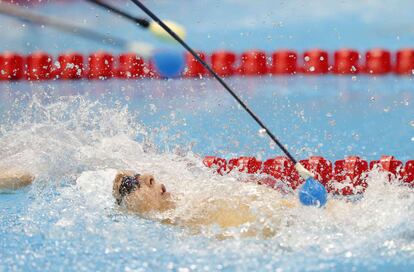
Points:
(146, 194)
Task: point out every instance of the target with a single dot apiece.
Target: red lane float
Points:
(378, 62)
(11, 66)
(344, 177)
(351, 173)
(70, 66)
(130, 65)
(223, 62)
(193, 67)
(405, 62)
(315, 62)
(409, 172)
(284, 62)
(389, 164)
(248, 165)
(39, 66)
(253, 63)
(321, 168)
(100, 65)
(219, 164)
(281, 168)
(346, 61)
(150, 71)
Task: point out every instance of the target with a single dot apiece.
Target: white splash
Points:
(73, 138)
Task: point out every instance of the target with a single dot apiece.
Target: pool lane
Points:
(328, 116)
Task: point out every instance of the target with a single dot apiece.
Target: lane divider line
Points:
(104, 65)
(342, 177)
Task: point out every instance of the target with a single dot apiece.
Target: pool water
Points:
(61, 131)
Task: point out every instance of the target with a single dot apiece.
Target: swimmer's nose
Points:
(163, 189)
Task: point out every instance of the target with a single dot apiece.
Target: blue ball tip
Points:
(169, 63)
(313, 193)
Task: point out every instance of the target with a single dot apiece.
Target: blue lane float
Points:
(169, 63)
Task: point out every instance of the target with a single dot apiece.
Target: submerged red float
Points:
(350, 173)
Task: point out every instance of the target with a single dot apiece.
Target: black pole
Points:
(34, 18)
(192, 52)
(140, 21)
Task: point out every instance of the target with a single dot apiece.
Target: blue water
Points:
(329, 116)
(57, 130)
(234, 24)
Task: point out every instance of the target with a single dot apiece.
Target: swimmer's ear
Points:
(149, 180)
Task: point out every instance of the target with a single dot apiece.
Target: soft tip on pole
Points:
(160, 33)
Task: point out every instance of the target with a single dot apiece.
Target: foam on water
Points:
(60, 224)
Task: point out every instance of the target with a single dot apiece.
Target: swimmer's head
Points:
(141, 193)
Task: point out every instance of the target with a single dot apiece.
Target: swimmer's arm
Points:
(230, 214)
(14, 181)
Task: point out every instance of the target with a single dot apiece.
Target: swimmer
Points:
(13, 179)
(142, 194)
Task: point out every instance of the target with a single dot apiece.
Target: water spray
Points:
(312, 193)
